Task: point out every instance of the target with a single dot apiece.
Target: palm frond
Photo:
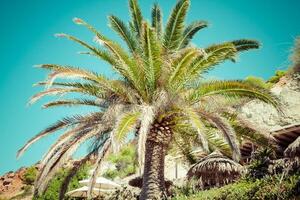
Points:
(245, 44)
(152, 55)
(190, 31)
(180, 65)
(124, 124)
(196, 122)
(59, 71)
(228, 132)
(136, 16)
(103, 152)
(234, 88)
(120, 27)
(52, 128)
(73, 102)
(156, 15)
(175, 25)
(126, 65)
(103, 55)
(210, 57)
(62, 156)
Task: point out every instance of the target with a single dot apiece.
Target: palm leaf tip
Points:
(246, 44)
(60, 35)
(175, 24)
(157, 18)
(190, 31)
(136, 16)
(77, 20)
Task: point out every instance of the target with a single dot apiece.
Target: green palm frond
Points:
(103, 55)
(234, 88)
(156, 15)
(126, 65)
(190, 31)
(123, 126)
(245, 44)
(210, 57)
(175, 25)
(136, 17)
(181, 65)
(120, 27)
(152, 56)
(198, 125)
(217, 143)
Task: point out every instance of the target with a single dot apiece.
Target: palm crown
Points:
(158, 94)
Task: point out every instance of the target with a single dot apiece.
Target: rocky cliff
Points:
(266, 116)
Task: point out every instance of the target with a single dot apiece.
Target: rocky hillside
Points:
(288, 91)
(14, 183)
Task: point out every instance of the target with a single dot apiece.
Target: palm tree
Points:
(157, 94)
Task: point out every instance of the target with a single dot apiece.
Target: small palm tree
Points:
(157, 94)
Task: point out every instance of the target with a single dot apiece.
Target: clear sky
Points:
(26, 39)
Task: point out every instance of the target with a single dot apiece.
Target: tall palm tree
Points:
(157, 94)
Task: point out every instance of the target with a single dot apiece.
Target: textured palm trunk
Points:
(156, 145)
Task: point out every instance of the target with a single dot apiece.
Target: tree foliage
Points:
(158, 81)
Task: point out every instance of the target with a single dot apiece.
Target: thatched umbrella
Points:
(214, 170)
(293, 150)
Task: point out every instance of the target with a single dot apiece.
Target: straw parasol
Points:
(214, 170)
(293, 150)
(82, 192)
(102, 183)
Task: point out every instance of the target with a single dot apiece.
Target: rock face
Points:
(11, 183)
(266, 116)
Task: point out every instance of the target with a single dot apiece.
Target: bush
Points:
(124, 162)
(268, 188)
(30, 175)
(54, 186)
(257, 81)
(278, 74)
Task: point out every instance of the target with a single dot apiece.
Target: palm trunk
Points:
(153, 179)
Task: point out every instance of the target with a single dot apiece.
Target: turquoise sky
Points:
(27, 29)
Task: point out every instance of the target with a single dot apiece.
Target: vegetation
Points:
(270, 187)
(278, 74)
(265, 179)
(258, 81)
(159, 94)
(30, 175)
(125, 162)
(54, 188)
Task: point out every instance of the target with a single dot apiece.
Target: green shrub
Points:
(30, 175)
(124, 161)
(257, 81)
(278, 74)
(268, 188)
(53, 189)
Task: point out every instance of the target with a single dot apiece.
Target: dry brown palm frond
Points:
(226, 129)
(103, 152)
(215, 170)
(293, 150)
(63, 154)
